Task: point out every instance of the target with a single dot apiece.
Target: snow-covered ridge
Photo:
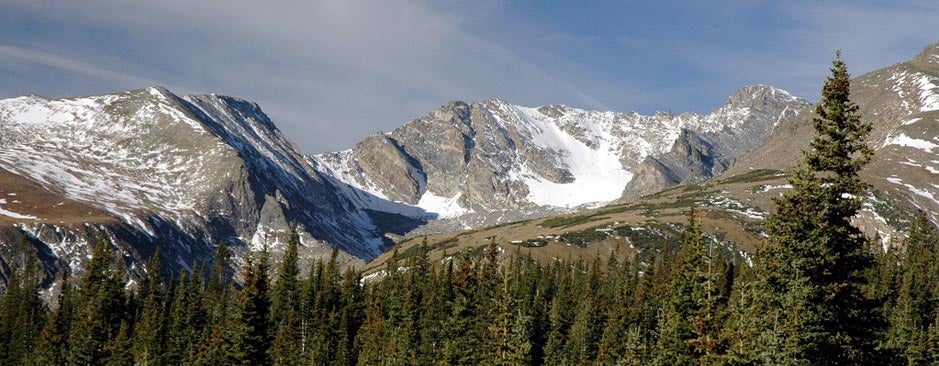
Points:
(149, 157)
(89, 149)
(551, 156)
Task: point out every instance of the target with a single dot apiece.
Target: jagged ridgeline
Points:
(147, 169)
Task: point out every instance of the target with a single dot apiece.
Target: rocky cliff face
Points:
(483, 162)
(147, 169)
(748, 117)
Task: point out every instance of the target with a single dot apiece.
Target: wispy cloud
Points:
(16, 54)
(331, 72)
(363, 65)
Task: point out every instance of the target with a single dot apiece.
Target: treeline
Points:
(686, 305)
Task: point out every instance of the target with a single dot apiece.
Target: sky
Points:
(330, 73)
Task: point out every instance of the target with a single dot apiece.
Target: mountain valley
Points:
(149, 169)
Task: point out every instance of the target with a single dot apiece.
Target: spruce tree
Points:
(285, 294)
(813, 263)
(915, 305)
(254, 307)
(149, 336)
(52, 346)
(100, 308)
(118, 348)
(352, 316)
(285, 306)
(689, 326)
(22, 312)
(217, 291)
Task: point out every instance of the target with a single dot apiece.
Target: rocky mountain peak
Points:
(454, 112)
(152, 167)
(929, 55)
(553, 110)
(760, 95)
(485, 162)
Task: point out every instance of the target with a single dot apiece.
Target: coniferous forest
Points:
(817, 292)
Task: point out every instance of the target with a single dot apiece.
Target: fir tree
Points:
(285, 294)
(254, 307)
(915, 304)
(688, 325)
(22, 312)
(811, 274)
(52, 346)
(148, 334)
(100, 308)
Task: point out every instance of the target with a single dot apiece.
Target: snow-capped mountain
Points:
(149, 168)
(489, 161)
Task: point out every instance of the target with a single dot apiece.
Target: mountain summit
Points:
(147, 168)
(485, 162)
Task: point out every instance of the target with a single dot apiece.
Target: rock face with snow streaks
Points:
(154, 169)
(485, 162)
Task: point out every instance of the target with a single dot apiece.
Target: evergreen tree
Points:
(100, 308)
(463, 332)
(148, 334)
(351, 318)
(182, 333)
(689, 326)
(285, 294)
(223, 343)
(811, 275)
(371, 335)
(52, 347)
(218, 289)
(118, 348)
(22, 312)
(255, 306)
(285, 306)
(561, 313)
(286, 346)
(932, 342)
(915, 305)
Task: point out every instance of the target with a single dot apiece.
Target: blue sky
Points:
(331, 72)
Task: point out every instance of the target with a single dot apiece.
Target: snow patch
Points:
(12, 214)
(904, 140)
(442, 206)
(598, 174)
(913, 189)
(767, 188)
(929, 93)
(735, 206)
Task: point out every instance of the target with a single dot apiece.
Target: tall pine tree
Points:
(811, 270)
(255, 307)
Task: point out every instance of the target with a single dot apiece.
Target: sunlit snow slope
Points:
(186, 173)
(489, 161)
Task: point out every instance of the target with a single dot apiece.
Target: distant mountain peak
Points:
(485, 162)
(929, 55)
(759, 94)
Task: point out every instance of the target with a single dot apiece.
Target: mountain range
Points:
(149, 169)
